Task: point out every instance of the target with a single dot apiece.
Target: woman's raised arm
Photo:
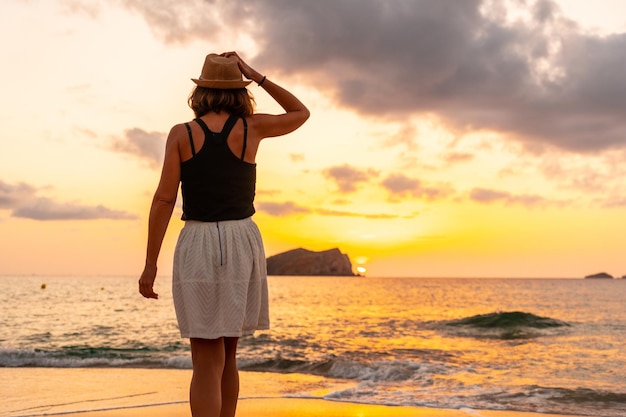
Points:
(268, 125)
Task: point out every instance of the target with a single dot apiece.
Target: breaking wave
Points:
(504, 325)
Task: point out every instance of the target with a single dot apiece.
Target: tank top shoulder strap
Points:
(223, 135)
(245, 137)
(228, 126)
(193, 148)
(205, 128)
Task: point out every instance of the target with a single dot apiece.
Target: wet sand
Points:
(113, 392)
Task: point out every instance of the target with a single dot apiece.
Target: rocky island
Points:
(601, 275)
(305, 262)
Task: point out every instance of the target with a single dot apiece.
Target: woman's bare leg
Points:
(205, 393)
(230, 378)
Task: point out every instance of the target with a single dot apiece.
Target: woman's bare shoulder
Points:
(178, 132)
(177, 138)
(179, 128)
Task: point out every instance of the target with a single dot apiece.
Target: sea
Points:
(538, 345)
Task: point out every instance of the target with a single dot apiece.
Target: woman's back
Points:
(215, 123)
(217, 183)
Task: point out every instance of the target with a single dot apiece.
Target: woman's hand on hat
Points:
(246, 69)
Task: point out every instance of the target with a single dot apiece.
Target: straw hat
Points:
(220, 72)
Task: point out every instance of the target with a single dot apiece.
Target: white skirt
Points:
(220, 279)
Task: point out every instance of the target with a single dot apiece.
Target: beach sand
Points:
(111, 392)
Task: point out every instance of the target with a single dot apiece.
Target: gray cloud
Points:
(22, 199)
(542, 80)
(181, 22)
(399, 185)
(289, 208)
(12, 196)
(148, 146)
(88, 8)
(341, 213)
(483, 195)
(281, 209)
(47, 209)
(348, 177)
(489, 196)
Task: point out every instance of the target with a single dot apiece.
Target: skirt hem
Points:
(222, 334)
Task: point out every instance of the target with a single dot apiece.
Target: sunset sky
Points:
(447, 138)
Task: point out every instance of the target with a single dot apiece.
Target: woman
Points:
(219, 278)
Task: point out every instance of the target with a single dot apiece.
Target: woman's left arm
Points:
(161, 211)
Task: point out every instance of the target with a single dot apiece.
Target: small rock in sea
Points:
(601, 275)
(43, 286)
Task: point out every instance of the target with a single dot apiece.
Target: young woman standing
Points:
(219, 278)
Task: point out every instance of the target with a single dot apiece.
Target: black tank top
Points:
(216, 184)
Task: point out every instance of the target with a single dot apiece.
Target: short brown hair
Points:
(236, 101)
